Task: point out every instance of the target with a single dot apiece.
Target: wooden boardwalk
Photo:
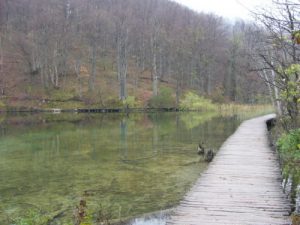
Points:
(241, 186)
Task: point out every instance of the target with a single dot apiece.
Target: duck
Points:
(209, 155)
(200, 149)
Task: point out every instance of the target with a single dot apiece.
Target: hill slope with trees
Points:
(102, 53)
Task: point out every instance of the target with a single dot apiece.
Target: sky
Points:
(231, 9)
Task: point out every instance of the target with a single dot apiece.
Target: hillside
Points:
(102, 53)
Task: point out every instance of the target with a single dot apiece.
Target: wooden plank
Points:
(241, 186)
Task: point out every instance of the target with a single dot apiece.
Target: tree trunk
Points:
(276, 92)
(122, 62)
(177, 93)
(233, 76)
(154, 75)
(269, 88)
(208, 81)
(93, 68)
(154, 66)
(77, 70)
(1, 66)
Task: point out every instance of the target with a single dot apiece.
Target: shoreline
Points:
(94, 110)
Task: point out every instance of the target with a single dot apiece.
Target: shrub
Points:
(218, 95)
(192, 101)
(2, 105)
(289, 144)
(113, 102)
(131, 102)
(164, 99)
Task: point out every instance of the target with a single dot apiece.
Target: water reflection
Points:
(153, 219)
(123, 139)
(130, 165)
(291, 183)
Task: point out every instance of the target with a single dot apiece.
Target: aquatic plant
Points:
(31, 217)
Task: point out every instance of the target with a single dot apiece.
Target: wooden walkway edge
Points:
(241, 186)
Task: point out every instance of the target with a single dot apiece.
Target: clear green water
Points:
(123, 165)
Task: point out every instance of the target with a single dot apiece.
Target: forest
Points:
(139, 55)
(102, 53)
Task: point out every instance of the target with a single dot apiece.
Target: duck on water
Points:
(207, 153)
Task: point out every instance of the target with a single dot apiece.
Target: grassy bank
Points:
(245, 111)
(140, 100)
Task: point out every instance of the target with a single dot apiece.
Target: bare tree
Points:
(279, 52)
(122, 35)
(155, 50)
(153, 39)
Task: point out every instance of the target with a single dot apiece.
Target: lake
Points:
(122, 166)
